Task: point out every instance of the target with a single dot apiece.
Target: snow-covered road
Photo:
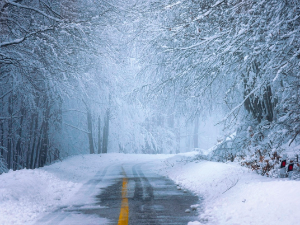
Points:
(88, 189)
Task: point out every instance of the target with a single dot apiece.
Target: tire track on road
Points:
(161, 204)
(142, 212)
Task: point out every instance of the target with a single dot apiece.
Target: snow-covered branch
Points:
(241, 104)
(16, 41)
(33, 9)
(87, 132)
(20, 40)
(8, 92)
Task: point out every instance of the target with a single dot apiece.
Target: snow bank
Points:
(27, 193)
(235, 195)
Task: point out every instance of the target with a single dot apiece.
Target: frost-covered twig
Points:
(231, 186)
(168, 163)
(294, 138)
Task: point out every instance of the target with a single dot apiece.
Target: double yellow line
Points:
(124, 213)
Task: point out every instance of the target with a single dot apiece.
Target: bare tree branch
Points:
(77, 128)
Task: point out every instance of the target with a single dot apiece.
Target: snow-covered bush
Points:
(261, 146)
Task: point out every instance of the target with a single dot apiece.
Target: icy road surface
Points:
(146, 198)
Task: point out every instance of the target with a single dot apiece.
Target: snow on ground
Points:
(26, 195)
(234, 195)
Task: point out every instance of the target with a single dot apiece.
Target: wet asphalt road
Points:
(152, 199)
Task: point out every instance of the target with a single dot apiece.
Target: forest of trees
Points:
(49, 50)
(141, 76)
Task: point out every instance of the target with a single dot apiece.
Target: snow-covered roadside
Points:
(236, 195)
(26, 195)
(232, 194)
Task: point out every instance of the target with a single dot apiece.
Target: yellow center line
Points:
(124, 213)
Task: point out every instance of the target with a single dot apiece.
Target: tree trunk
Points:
(196, 133)
(32, 166)
(9, 135)
(90, 131)
(45, 138)
(178, 140)
(2, 131)
(105, 132)
(39, 147)
(19, 146)
(99, 135)
(31, 133)
(37, 155)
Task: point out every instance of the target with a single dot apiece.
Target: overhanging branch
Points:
(77, 128)
(239, 105)
(34, 9)
(20, 40)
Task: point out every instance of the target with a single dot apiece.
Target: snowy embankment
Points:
(234, 194)
(25, 194)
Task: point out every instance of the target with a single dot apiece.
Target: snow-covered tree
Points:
(240, 55)
(46, 51)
